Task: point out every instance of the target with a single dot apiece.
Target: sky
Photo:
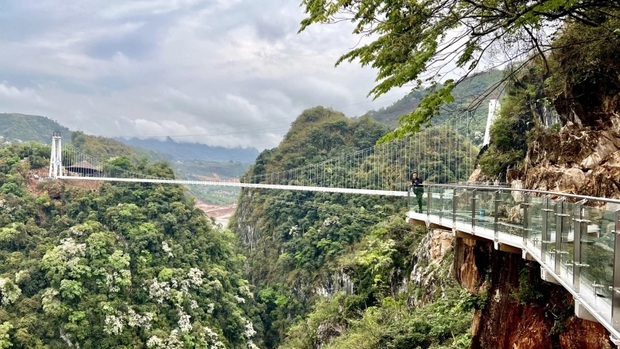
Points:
(231, 73)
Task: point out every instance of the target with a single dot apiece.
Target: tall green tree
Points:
(416, 41)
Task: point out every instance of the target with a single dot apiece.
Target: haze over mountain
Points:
(23, 127)
(193, 151)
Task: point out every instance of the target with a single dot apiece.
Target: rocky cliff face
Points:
(431, 271)
(516, 308)
(578, 159)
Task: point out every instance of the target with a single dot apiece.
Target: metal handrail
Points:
(535, 191)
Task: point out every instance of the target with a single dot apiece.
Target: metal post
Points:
(579, 228)
(545, 238)
(429, 196)
(527, 218)
(496, 201)
(454, 207)
(473, 210)
(615, 298)
(560, 227)
(441, 204)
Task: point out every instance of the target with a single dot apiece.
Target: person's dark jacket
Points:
(416, 183)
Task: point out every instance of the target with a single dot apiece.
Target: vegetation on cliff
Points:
(561, 112)
(327, 262)
(124, 266)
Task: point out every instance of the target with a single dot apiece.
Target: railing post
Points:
(579, 226)
(429, 199)
(454, 204)
(496, 202)
(473, 210)
(560, 227)
(615, 298)
(545, 238)
(527, 218)
(441, 204)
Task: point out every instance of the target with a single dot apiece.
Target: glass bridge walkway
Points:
(573, 238)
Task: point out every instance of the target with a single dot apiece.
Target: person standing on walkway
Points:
(418, 189)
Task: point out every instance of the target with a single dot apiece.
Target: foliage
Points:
(468, 111)
(585, 79)
(126, 266)
(303, 246)
(100, 147)
(412, 38)
(529, 290)
(388, 323)
(524, 106)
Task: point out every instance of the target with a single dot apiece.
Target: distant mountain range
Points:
(23, 127)
(193, 151)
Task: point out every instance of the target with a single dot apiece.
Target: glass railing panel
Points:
(446, 202)
(485, 209)
(510, 213)
(547, 242)
(536, 204)
(565, 228)
(596, 260)
(462, 203)
(434, 202)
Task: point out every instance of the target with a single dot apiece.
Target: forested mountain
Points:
(23, 127)
(471, 101)
(114, 265)
(328, 261)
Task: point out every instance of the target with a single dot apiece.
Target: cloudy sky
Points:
(220, 72)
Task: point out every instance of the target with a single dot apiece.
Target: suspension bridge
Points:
(573, 238)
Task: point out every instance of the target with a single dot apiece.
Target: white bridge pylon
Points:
(56, 156)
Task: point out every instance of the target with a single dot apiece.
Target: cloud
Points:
(227, 73)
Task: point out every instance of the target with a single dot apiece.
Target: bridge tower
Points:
(56, 156)
(493, 108)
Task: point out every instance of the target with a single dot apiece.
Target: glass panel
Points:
(434, 206)
(549, 235)
(446, 204)
(462, 199)
(510, 213)
(485, 209)
(597, 253)
(567, 239)
(536, 222)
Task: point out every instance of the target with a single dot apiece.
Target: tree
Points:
(418, 41)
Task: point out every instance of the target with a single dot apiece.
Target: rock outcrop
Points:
(577, 160)
(517, 309)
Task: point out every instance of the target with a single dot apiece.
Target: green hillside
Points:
(24, 127)
(114, 265)
(324, 259)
